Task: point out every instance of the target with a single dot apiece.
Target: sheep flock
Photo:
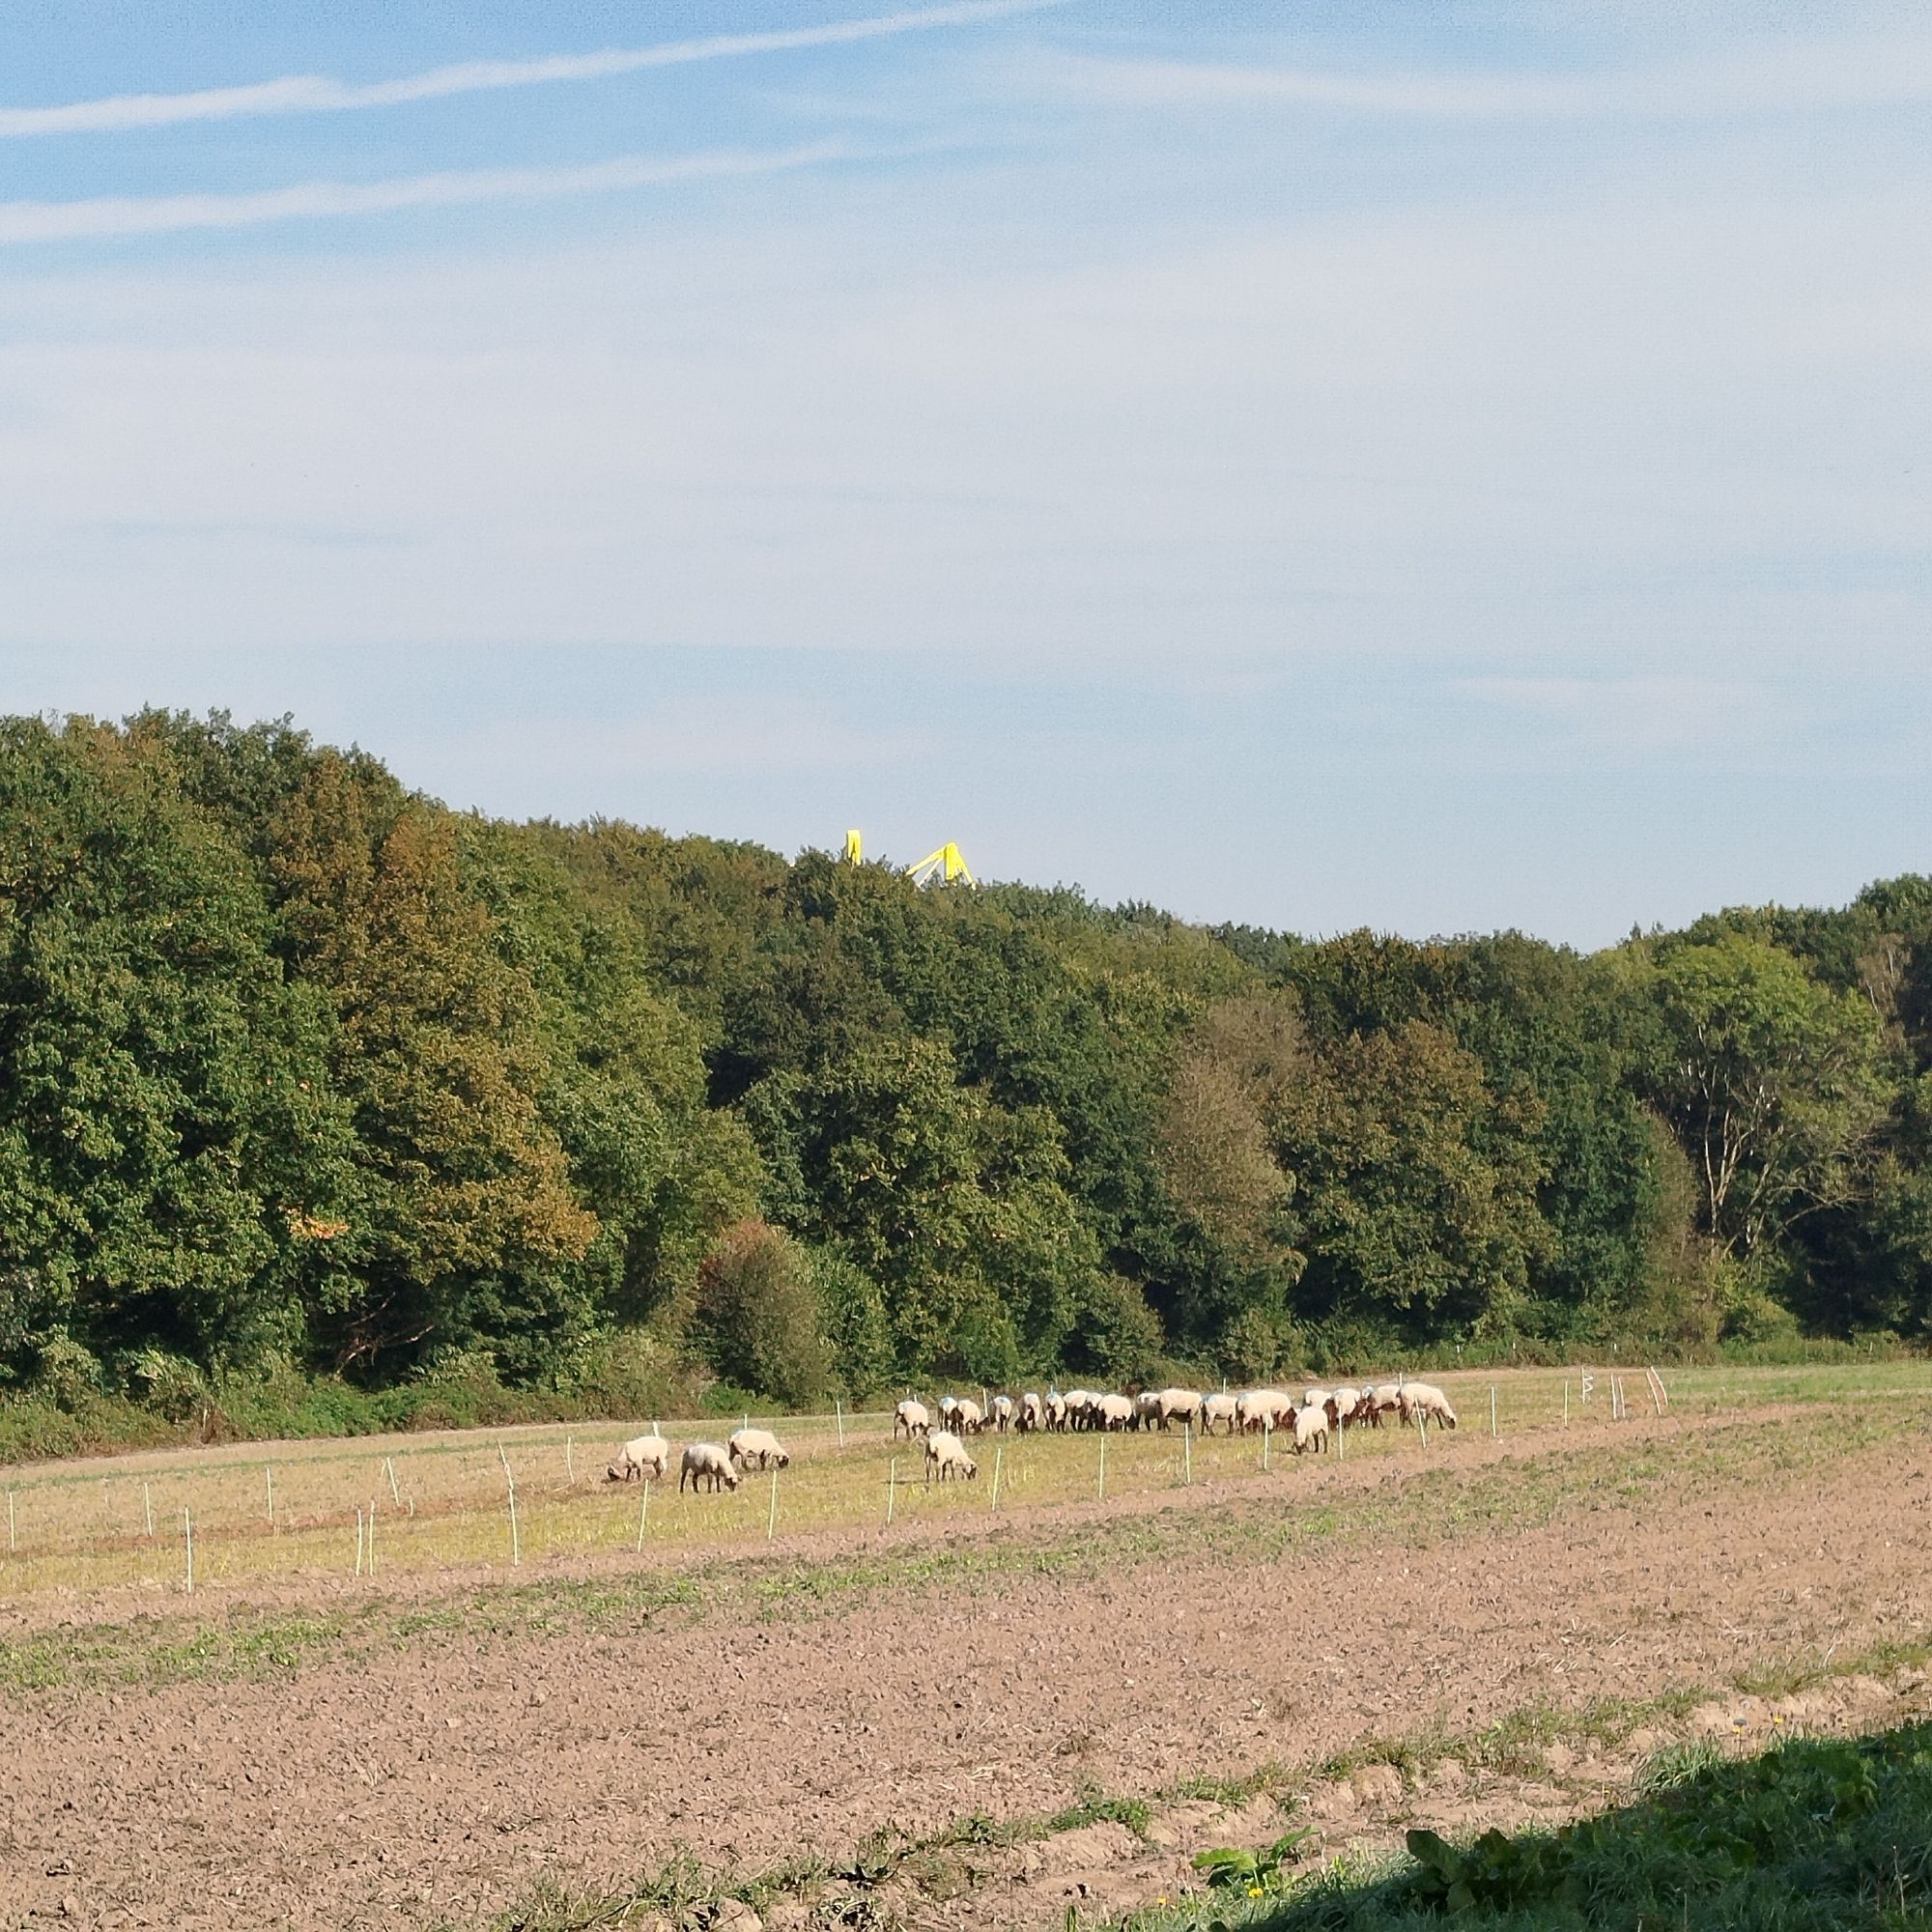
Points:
(944, 1428)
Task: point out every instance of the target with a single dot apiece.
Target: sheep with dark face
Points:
(705, 1464)
(946, 1457)
(912, 1417)
(759, 1446)
(1032, 1415)
(1003, 1412)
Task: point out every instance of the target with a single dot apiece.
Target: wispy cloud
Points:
(1775, 75)
(110, 215)
(317, 94)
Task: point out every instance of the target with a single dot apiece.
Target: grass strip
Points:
(1420, 1508)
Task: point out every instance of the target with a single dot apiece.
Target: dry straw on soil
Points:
(399, 1505)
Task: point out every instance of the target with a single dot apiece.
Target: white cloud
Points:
(316, 93)
(40, 221)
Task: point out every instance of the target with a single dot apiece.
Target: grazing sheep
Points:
(946, 1457)
(1220, 1407)
(1262, 1408)
(1384, 1398)
(967, 1419)
(1314, 1398)
(1032, 1413)
(1003, 1412)
(1079, 1406)
(1055, 1411)
(1112, 1412)
(1424, 1399)
(949, 1408)
(1341, 1407)
(645, 1456)
(759, 1446)
(1175, 1405)
(706, 1463)
(1147, 1410)
(912, 1417)
(1311, 1428)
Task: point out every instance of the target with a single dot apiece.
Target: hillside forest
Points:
(309, 1082)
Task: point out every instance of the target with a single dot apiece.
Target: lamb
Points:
(760, 1446)
(706, 1463)
(912, 1417)
(1424, 1399)
(1032, 1413)
(1262, 1408)
(1311, 1428)
(946, 1457)
(967, 1419)
(1003, 1412)
(1218, 1408)
(645, 1456)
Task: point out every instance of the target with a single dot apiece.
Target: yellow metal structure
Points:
(855, 848)
(945, 865)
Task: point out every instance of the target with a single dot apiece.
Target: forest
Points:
(307, 1082)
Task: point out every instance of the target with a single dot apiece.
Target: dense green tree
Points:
(1774, 1080)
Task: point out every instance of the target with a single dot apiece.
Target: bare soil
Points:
(438, 1781)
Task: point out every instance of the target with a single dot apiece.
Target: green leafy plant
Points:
(1259, 1874)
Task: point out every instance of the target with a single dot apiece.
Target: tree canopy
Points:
(298, 1066)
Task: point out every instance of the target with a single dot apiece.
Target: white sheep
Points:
(1055, 1411)
(1311, 1428)
(1221, 1407)
(1031, 1414)
(1384, 1398)
(967, 1418)
(949, 1408)
(946, 1457)
(759, 1446)
(1003, 1412)
(706, 1462)
(1111, 1411)
(1424, 1399)
(1147, 1410)
(1079, 1407)
(912, 1417)
(1341, 1406)
(1175, 1404)
(645, 1456)
(1261, 1409)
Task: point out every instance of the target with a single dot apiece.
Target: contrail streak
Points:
(317, 94)
(28, 222)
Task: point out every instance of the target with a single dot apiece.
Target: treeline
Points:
(303, 1075)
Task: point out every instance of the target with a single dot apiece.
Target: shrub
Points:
(757, 1315)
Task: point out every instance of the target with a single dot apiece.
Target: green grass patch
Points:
(1813, 1835)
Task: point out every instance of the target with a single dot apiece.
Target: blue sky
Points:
(1436, 467)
